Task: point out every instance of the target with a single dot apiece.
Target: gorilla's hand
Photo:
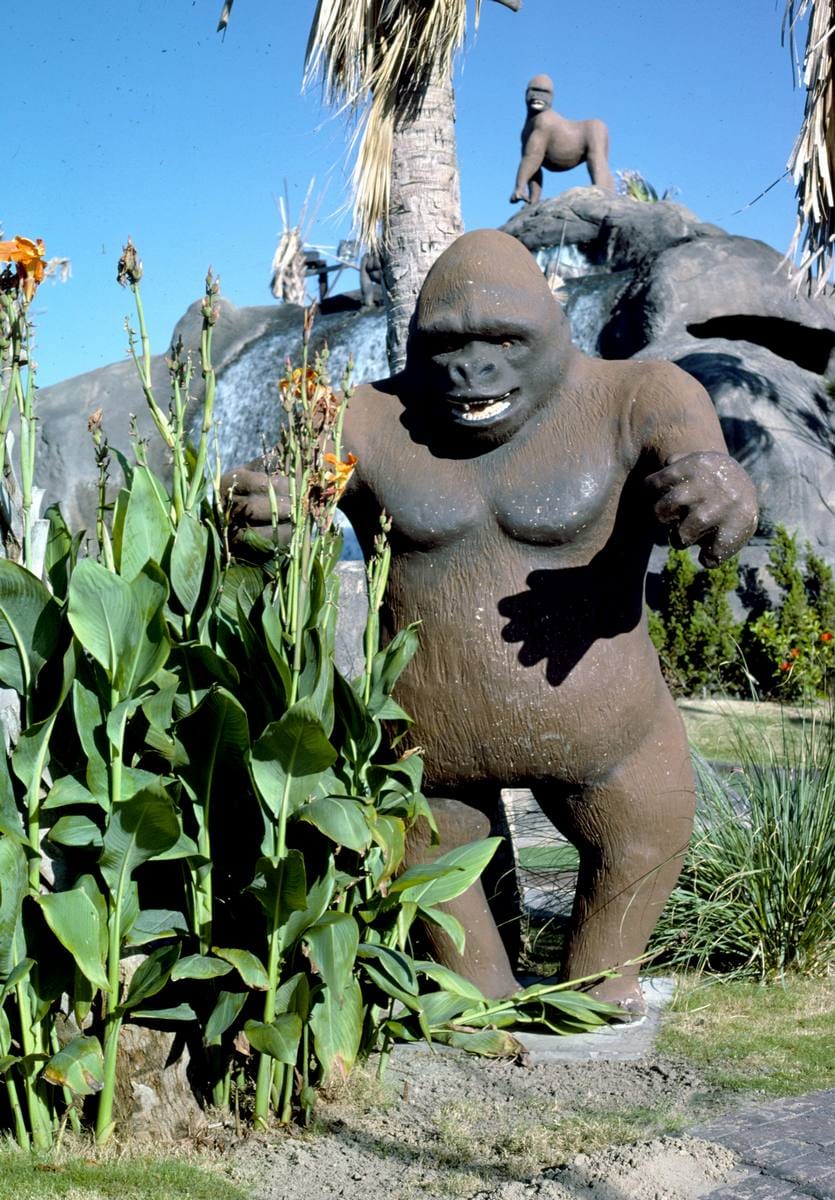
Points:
(246, 493)
(706, 498)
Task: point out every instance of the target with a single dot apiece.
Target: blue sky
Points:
(136, 118)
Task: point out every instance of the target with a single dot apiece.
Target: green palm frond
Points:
(376, 59)
(812, 160)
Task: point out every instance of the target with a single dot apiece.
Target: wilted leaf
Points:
(78, 1066)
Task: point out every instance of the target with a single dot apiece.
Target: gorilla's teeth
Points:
(485, 413)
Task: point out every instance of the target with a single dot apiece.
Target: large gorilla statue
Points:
(526, 483)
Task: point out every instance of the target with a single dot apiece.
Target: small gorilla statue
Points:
(526, 484)
(552, 141)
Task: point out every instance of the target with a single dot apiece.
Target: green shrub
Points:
(784, 652)
(696, 637)
(788, 648)
(757, 893)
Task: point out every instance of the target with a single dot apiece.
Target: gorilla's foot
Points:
(625, 992)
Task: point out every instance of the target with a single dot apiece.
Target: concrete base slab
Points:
(610, 1043)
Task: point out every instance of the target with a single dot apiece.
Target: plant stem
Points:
(39, 1117)
(21, 1132)
(110, 1002)
(197, 480)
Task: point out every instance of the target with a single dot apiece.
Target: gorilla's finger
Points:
(727, 538)
(675, 503)
(699, 523)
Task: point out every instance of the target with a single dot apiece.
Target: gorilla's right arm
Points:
(245, 493)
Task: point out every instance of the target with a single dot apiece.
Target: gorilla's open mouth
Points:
(475, 411)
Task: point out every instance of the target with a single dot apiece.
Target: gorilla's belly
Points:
(522, 674)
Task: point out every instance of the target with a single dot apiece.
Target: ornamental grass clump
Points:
(197, 788)
(757, 893)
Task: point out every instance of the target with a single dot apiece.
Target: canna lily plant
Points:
(196, 783)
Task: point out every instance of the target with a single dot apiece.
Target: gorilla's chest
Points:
(539, 502)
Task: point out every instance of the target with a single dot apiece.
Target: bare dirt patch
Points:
(452, 1125)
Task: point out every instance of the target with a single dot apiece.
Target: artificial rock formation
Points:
(640, 280)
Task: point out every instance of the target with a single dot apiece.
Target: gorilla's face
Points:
(538, 99)
(484, 372)
(488, 340)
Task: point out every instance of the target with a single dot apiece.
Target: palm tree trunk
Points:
(424, 214)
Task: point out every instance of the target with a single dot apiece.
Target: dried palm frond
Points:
(288, 269)
(376, 59)
(812, 160)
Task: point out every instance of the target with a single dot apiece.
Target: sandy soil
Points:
(452, 1125)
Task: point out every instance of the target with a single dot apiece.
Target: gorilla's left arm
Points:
(698, 490)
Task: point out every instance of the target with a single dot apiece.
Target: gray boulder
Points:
(613, 233)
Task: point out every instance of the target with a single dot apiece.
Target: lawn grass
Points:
(76, 1177)
(716, 727)
(558, 857)
(775, 1039)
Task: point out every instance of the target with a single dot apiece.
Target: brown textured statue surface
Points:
(552, 141)
(526, 483)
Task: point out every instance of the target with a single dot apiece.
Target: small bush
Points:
(757, 893)
(697, 636)
(784, 652)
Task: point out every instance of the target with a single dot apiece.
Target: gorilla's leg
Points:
(597, 155)
(485, 959)
(631, 829)
(535, 187)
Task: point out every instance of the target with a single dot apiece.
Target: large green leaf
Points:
(68, 791)
(151, 975)
(336, 1020)
(340, 818)
(121, 623)
(390, 662)
(59, 557)
(147, 526)
(280, 886)
(90, 727)
(76, 830)
(104, 614)
(316, 901)
(224, 1013)
(332, 946)
(316, 681)
(200, 966)
(249, 967)
(216, 739)
(139, 829)
(30, 626)
(390, 835)
(288, 757)
(11, 816)
(188, 561)
(463, 866)
(154, 923)
(78, 1066)
(13, 887)
(279, 1039)
(74, 920)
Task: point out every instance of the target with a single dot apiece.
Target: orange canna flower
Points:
(826, 636)
(794, 652)
(785, 666)
(342, 471)
(28, 257)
